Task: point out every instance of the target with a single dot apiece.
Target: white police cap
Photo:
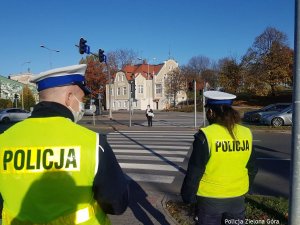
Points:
(69, 75)
(218, 98)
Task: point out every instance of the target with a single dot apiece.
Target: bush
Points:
(5, 103)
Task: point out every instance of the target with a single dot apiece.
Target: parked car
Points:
(90, 110)
(255, 115)
(283, 118)
(13, 115)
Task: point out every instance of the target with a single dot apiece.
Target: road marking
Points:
(143, 146)
(148, 166)
(274, 159)
(158, 143)
(160, 138)
(152, 131)
(151, 178)
(150, 152)
(154, 158)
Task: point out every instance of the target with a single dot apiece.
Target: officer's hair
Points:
(226, 116)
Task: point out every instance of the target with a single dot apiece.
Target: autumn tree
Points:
(96, 76)
(230, 75)
(268, 62)
(27, 98)
(175, 81)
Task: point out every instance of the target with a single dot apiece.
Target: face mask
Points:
(78, 115)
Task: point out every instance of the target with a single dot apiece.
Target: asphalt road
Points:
(273, 148)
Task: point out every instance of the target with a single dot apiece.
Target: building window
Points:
(119, 104)
(140, 89)
(124, 91)
(122, 77)
(119, 91)
(158, 88)
(125, 104)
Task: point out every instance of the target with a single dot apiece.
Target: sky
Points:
(155, 29)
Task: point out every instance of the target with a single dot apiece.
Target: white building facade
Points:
(149, 87)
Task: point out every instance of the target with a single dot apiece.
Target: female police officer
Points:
(55, 171)
(221, 166)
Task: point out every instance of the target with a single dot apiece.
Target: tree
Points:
(121, 57)
(268, 62)
(96, 76)
(175, 81)
(196, 66)
(230, 75)
(5, 103)
(28, 98)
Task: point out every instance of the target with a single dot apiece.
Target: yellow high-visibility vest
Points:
(47, 171)
(226, 174)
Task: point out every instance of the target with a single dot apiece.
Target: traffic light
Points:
(102, 57)
(16, 96)
(82, 46)
(191, 86)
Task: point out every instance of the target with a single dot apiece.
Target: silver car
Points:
(282, 118)
(256, 116)
(13, 115)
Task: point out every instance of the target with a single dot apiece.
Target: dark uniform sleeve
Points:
(110, 185)
(196, 168)
(252, 168)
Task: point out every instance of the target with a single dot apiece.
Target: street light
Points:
(28, 70)
(50, 51)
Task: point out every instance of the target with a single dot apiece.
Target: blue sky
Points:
(154, 29)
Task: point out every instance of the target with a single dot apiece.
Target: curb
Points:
(165, 211)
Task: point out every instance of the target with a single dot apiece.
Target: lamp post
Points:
(28, 70)
(50, 51)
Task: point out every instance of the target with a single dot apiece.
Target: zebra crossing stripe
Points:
(142, 166)
(150, 152)
(143, 146)
(151, 178)
(154, 158)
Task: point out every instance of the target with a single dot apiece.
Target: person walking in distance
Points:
(149, 115)
(56, 171)
(221, 168)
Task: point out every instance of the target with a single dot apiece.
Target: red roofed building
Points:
(149, 86)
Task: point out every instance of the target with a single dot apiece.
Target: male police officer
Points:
(54, 171)
(221, 168)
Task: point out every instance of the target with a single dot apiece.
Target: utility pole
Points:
(294, 200)
(195, 105)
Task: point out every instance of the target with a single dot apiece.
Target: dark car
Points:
(255, 115)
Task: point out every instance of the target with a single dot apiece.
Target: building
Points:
(149, 86)
(13, 85)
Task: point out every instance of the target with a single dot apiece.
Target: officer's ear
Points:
(68, 97)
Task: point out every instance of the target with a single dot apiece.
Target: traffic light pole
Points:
(294, 200)
(195, 104)
(130, 100)
(109, 92)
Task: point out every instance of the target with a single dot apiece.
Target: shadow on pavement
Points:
(142, 209)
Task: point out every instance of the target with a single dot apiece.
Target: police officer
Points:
(222, 164)
(54, 171)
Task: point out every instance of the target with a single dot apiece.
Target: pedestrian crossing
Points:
(151, 156)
